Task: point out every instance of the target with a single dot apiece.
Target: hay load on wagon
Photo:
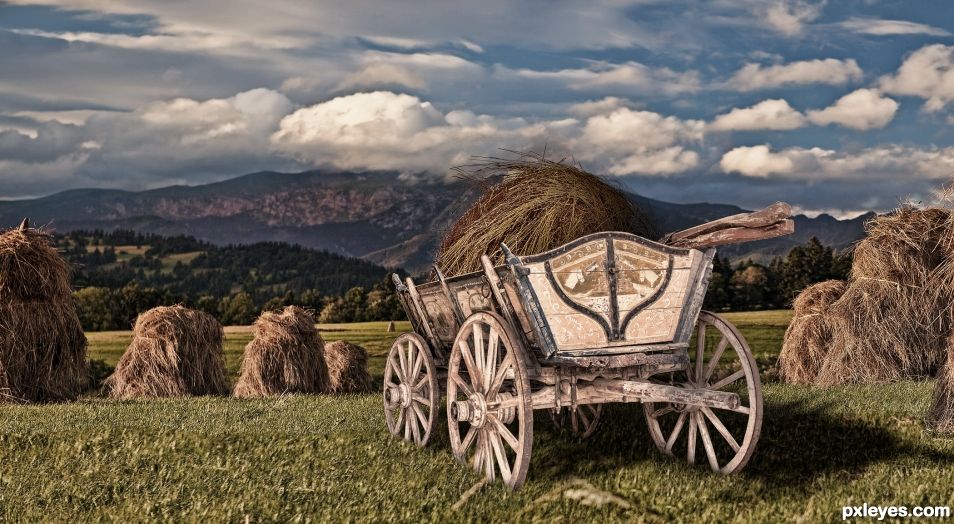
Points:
(175, 352)
(42, 345)
(533, 204)
(347, 368)
(286, 355)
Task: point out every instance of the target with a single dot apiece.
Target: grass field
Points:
(320, 458)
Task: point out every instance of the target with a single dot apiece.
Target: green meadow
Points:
(330, 458)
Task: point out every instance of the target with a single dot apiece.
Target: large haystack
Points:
(347, 368)
(175, 352)
(810, 335)
(286, 355)
(536, 205)
(42, 345)
(891, 322)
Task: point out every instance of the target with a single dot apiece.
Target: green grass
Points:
(320, 458)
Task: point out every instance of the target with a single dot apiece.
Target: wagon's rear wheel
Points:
(720, 359)
(411, 394)
(583, 420)
(489, 414)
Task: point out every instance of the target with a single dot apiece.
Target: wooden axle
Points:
(601, 391)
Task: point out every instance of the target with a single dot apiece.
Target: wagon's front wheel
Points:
(720, 360)
(411, 394)
(489, 413)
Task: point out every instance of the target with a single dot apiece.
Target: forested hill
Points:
(125, 269)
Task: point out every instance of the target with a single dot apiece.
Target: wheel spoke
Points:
(501, 374)
(691, 452)
(420, 414)
(502, 461)
(480, 355)
(715, 360)
(464, 387)
(728, 380)
(468, 440)
(478, 449)
(700, 350)
(414, 427)
(707, 442)
(421, 383)
(505, 433)
(745, 410)
(407, 426)
(468, 359)
(664, 411)
(681, 421)
(396, 366)
(491, 361)
(421, 400)
(402, 357)
(418, 363)
(399, 421)
(720, 427)
(488, 456)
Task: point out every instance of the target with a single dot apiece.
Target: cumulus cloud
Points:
(768, 114)
(789, 17)
(596, 107)
(880, 27)
(640, 142)
(829, 71)
(601, 76)
(385, 130)
(880, 163)
(926, 73)
(862, 109)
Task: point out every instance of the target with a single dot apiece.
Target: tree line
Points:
(120, 274)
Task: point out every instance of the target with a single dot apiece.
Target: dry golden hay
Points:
(883, 332)
(536, 205)
(42, 352)
(347, 368)
(391, 327)
(941, 416)
(30, 267)
(810, 334)
(904, 247)
(286, 355)
(42, 345)
(175, 352)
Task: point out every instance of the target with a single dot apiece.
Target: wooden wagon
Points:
(609, 317)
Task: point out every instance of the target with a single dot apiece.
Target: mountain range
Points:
(377, 216)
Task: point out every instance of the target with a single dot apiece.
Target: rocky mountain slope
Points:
(376, 216)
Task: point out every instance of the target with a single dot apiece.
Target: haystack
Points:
(810, 334)
(175, 352)
(891, 322)
(42, 345)
(347, 368)
(533, 204)
(286, 355)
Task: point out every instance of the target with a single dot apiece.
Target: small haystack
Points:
(535, 205)
(809, 336)
(287, 355)
(42, 345)
(175, 352)
(391, 327)
(347, 368)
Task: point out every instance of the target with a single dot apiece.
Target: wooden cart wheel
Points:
(411, 391)
(728, 437)
(583, 420)
(489, 414)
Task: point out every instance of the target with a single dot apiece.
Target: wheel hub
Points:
(399, 395)
(472, 410)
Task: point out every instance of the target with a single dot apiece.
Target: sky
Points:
(838, 107)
